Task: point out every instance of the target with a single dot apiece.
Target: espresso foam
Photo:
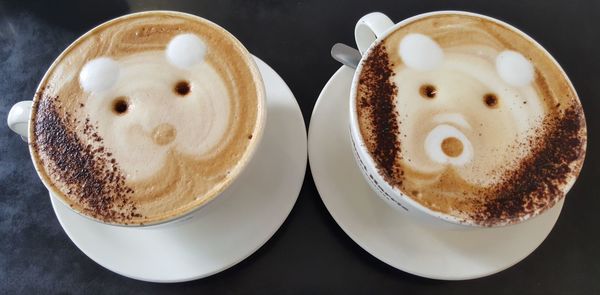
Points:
(166, 135)
(186, 50)
(460, 125)
(99, 74)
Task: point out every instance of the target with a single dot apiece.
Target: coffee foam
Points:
(489, 90)
(99, 74)
(420, 52)
(514, 68)
(192, 110)
(461, 82)
(436, 152)
(186, 50)
(136, 134)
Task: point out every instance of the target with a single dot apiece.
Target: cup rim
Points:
(234, 173)
(354, 120)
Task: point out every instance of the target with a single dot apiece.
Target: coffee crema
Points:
(146, 117)
(470, 118)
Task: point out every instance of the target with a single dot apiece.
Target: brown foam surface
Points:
(75, 158)
(518, 168)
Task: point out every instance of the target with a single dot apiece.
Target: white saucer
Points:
(389, 235)
(230, 228)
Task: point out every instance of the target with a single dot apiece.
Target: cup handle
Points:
(369, 28)
(18, 118)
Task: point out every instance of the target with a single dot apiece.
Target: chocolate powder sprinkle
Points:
(538, 181)
(89, 176)
(376, 95)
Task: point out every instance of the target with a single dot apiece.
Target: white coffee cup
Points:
(20, 117)
(369, 29)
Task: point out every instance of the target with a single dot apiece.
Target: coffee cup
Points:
(461, 120)
(145, 119)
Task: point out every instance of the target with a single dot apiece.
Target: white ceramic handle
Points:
(369, 28)
(18, 118)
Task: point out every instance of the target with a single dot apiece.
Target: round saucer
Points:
(389, 235)
(228, 229)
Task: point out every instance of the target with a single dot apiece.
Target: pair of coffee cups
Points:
(369, 33)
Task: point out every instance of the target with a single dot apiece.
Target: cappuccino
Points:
(469, 117)
(147, 117)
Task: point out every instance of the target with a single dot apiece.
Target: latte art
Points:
(147, 117)
(462, 80)
(470, 118)
(152, 125)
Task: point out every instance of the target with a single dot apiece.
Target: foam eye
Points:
(491, 100)
(428, 91)
(99, 74)
(185, 50)
(120, 105)
(182, 88)
(420, 52)
(514, 68)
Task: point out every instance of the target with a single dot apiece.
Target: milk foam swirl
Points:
(146, 82)
(462, 80)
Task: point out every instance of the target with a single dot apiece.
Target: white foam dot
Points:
(99, 74)
(185, 50)
(420, 52)
(433, 145)
(514, 68)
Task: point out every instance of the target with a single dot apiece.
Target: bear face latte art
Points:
(147, 117)
(470, 118)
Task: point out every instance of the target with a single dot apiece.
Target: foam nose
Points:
(452, 147)
(164, 134)
(445, 144)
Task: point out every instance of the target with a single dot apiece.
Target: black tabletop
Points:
(309, 253)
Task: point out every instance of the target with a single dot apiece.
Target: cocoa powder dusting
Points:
(376, 95)
(538, 181)
(87, 173)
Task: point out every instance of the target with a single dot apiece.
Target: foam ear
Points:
(420, 52)
(185, 50)
(99, 74)
(514, 68)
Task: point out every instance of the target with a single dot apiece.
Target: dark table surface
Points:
(309, 253)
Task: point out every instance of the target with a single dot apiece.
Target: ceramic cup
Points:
(20, 118)
(368, 31)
